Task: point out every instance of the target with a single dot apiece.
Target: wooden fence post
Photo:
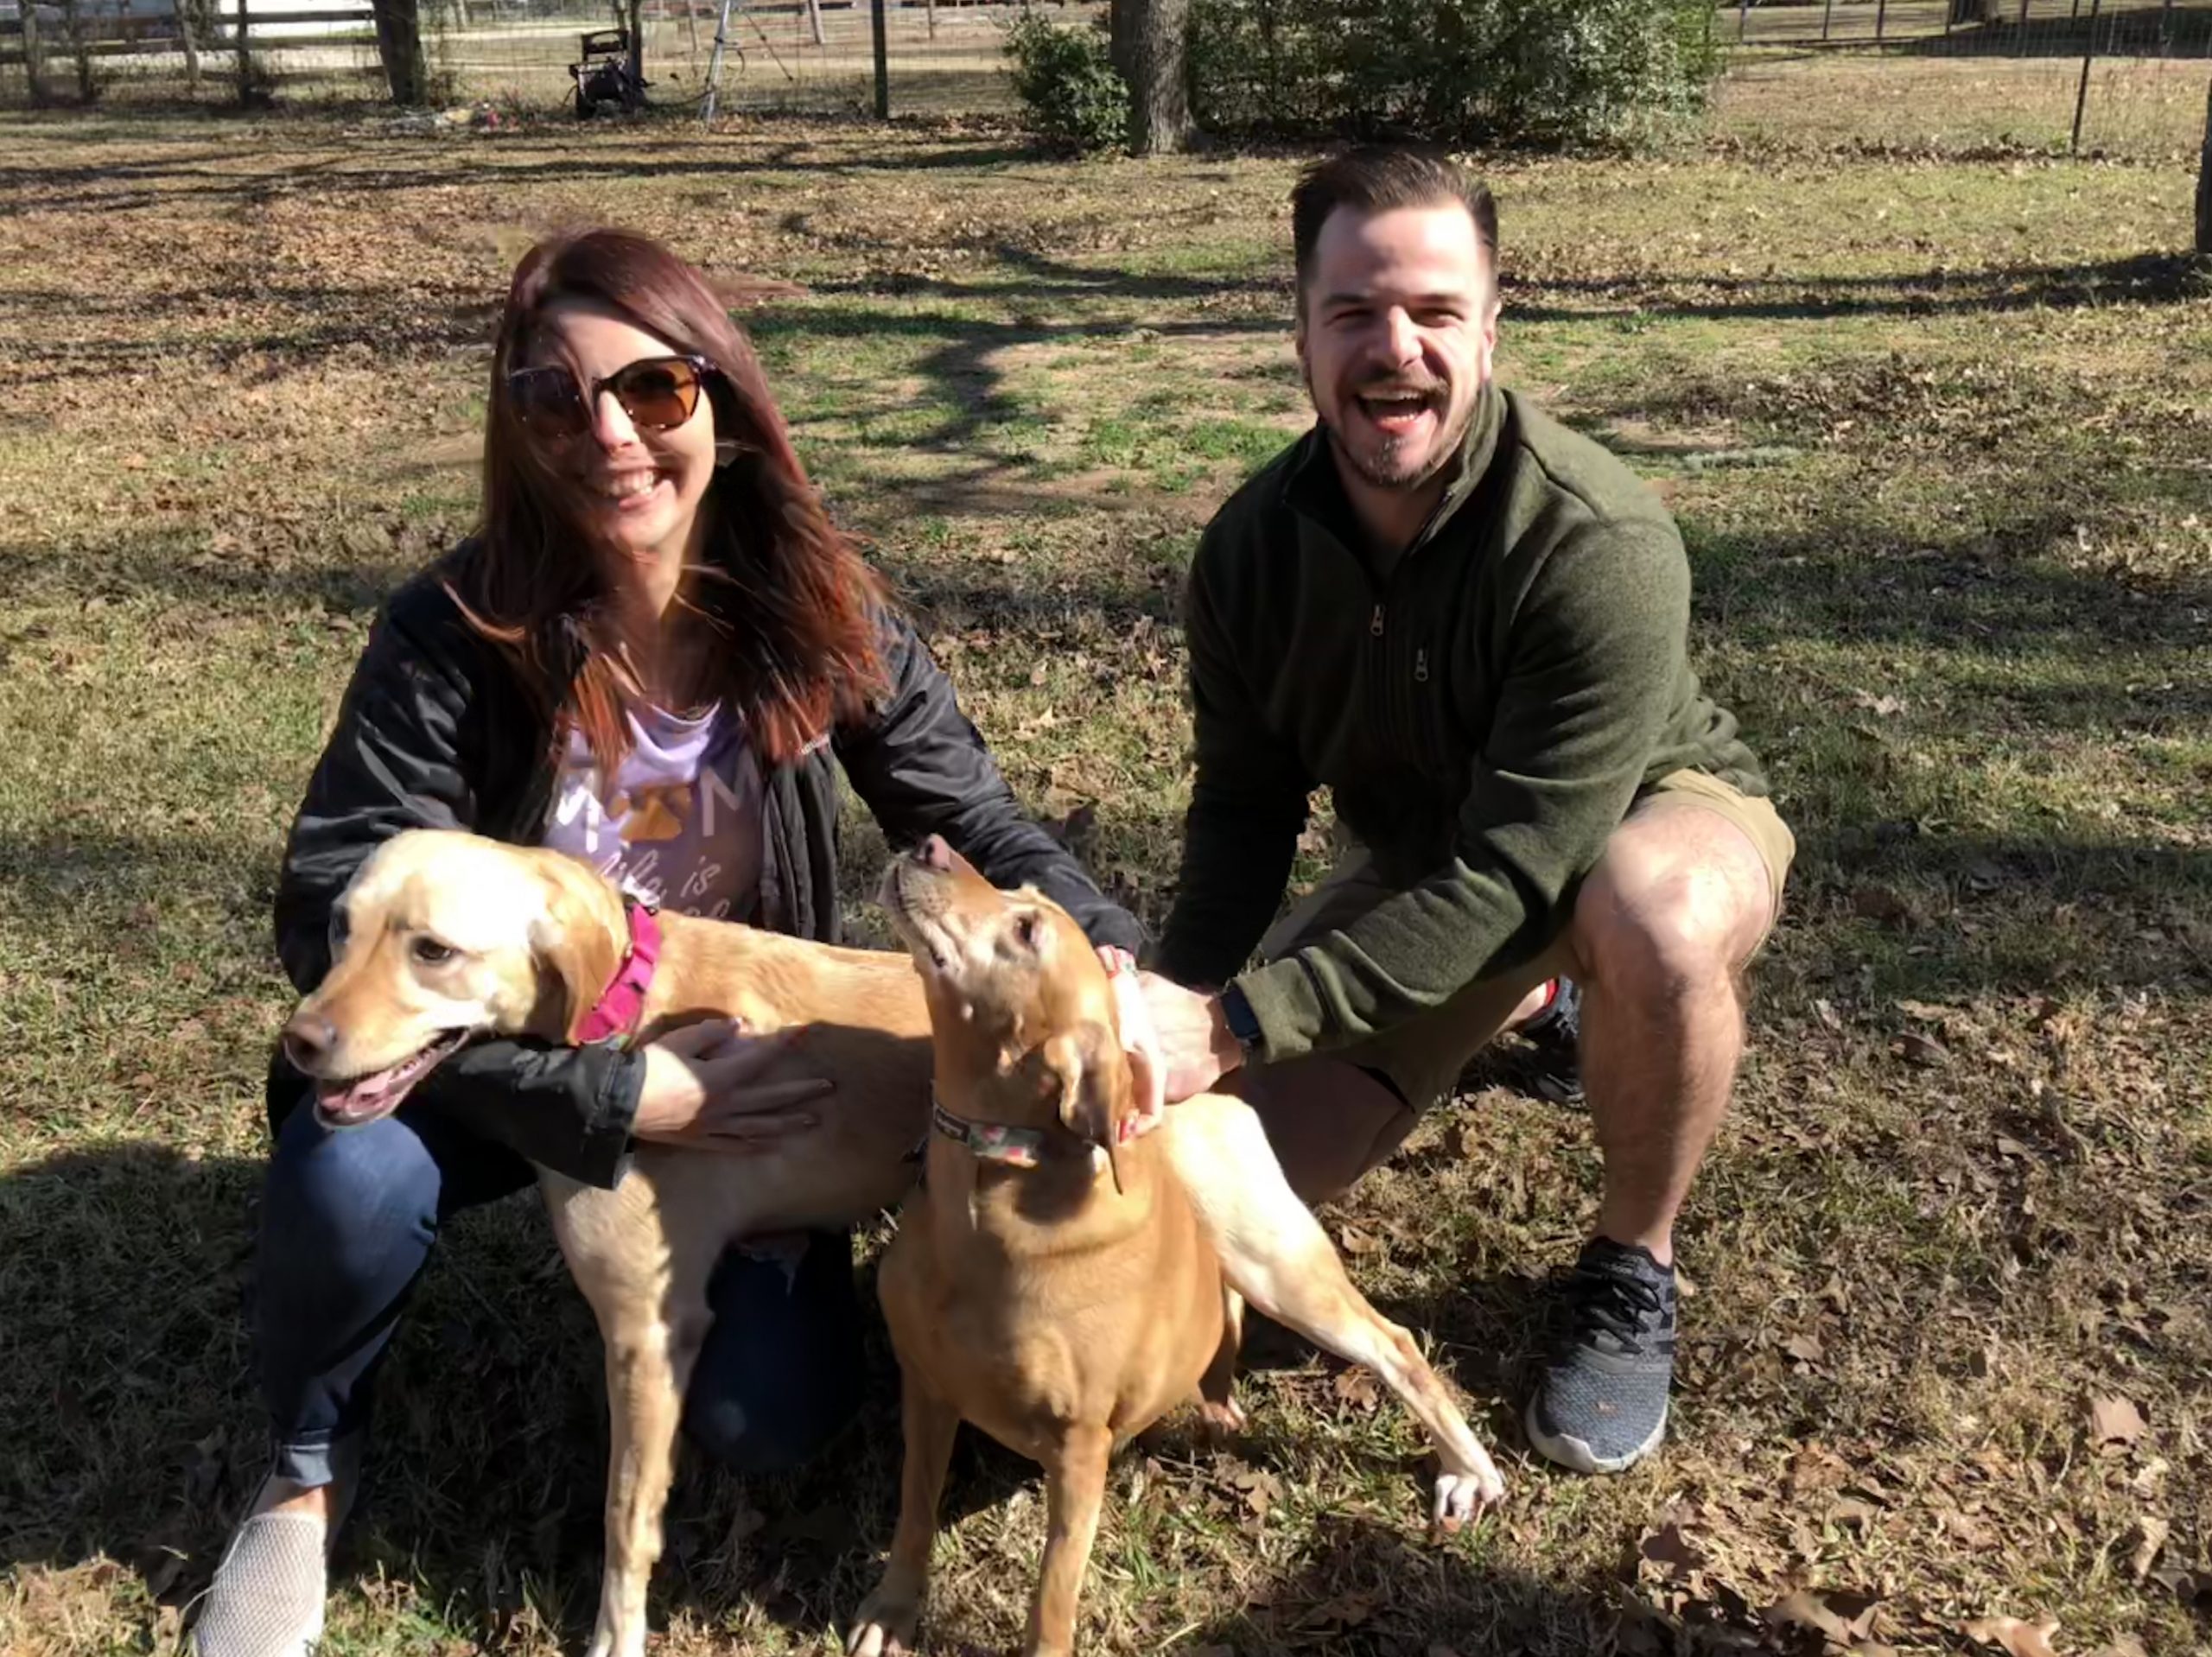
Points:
(882, 59)
(2205, 185)
(2082, 97)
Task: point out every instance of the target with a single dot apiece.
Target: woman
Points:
(649, 656)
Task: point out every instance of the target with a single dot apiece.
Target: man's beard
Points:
(1394, 464)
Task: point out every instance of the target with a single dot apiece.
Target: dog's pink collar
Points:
(615, 1019)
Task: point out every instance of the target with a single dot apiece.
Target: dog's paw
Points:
(1223, 1419)
(607, 1642)
(884, 1627)
(1461, 1497)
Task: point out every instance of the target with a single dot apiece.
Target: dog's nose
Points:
(934, 853)
(307, 1041)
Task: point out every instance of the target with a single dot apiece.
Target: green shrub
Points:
(1451, 71)
(1066, 81)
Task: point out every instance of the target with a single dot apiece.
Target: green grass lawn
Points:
(1939, 431)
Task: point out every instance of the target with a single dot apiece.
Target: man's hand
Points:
(1195, 1042)
(1147, 1071)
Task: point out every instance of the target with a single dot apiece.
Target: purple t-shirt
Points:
(678, 826)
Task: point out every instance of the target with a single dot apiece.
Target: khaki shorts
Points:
(1423, 1057)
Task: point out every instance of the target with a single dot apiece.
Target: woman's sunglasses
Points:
(657, 393)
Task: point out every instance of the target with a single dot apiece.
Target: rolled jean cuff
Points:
(316, 1459)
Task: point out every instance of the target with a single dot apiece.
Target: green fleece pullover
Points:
(1484, 705)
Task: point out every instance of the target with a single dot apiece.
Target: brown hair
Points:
(1381, 178)
(796, 609)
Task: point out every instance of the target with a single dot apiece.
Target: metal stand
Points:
(715, 62)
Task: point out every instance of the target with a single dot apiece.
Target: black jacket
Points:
(436, 731)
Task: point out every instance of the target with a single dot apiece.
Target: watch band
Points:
(1236, 1013)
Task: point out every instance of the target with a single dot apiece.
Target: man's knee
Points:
(1663, 921)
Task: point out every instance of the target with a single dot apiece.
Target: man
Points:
(1472, 624)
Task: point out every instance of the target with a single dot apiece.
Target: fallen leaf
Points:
(2155, 1532)
(1803, 1610)
(2114, 1420)
(1851, 1511)
(1356, 1387)
(1667, 1547)
(1356, 1242)
(1924, 1051)
(745, 1523)
(1806, 1348)
(2020, 1639)
(1345, 1610)
(1881, 904)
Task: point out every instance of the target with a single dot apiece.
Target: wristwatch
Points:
(1236, 1013)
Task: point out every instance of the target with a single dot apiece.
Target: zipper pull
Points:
(1375, 627)
(1420, 667)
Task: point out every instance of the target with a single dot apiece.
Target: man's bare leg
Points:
(1662, 930)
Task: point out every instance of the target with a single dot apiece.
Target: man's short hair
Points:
(1381, 178)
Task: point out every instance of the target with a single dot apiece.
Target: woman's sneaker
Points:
(1601, 1404)
(268, 1594)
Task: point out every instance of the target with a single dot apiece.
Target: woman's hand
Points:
(702, 1089)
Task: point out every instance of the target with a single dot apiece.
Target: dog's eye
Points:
(1024, 929)
(431, 953)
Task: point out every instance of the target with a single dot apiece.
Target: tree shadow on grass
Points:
(2137, 279)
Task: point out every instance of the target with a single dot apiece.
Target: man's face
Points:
(1395, 333)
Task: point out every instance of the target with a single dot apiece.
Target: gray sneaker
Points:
(267, 1597)
(1601, 1404)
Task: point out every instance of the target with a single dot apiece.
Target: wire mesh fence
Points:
(814, 56)
(2117, 76)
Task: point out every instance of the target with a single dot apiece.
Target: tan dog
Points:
(447, 936)
(1065, 1304)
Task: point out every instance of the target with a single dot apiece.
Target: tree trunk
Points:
(77, 31)
(246, 60)
(399, 45)
(187, 34)
(2205, 185)
(34, 55)
(1149, 45)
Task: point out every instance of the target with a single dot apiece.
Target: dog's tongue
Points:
(367, 1095)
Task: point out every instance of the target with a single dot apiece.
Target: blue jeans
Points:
(348, 1219)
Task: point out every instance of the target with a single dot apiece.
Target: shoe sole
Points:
(1569, 1451)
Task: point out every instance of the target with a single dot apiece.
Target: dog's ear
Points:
(1094, 1079)
(577, 951)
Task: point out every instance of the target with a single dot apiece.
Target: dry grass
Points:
(1937, 435)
